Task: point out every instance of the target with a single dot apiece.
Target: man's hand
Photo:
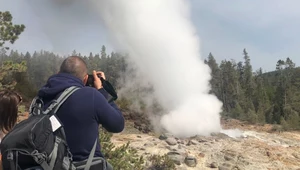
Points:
(97, 81)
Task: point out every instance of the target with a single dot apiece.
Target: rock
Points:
(169, 147)
(225, 166)
(193, 142)
(190, 161)
(171, 141)
(285, 145)
(220, 135)
(296, 155)
(149, 144)
(162, 137)
(214, 165)
(230, 156)
(202, 140)
(181, 152)
(176, 157)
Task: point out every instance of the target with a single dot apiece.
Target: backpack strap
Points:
(62, 98)
(91, 157)
(36, 106)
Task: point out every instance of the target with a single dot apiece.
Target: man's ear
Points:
(85, 79)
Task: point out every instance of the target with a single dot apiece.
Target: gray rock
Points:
(225, 166)
(220, 135)
(171, 141)
(162, 137)
(230, 156)
(169, 147)
(214, 165)
(176, 157)
(202, 140)
(182, 152)
(194, 142)
(190, 161)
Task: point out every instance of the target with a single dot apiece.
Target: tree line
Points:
(257, 97)
(39, 66)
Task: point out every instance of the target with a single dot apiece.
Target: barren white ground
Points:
(256, 149)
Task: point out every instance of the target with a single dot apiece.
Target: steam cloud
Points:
(163, 44)
(161, 39)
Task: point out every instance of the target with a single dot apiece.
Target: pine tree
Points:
(216, 75)
(9, 32)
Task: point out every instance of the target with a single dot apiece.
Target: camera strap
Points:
(110, 89)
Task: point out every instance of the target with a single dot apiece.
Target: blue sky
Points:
(268, 29)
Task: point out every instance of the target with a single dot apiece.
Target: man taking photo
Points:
(83, 112)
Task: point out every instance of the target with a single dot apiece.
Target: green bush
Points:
(161, 163)
(121, 158)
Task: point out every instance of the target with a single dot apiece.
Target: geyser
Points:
(161, 40)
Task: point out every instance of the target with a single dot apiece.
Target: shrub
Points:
(123, 157)
(161, 163)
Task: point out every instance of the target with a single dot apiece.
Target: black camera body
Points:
(106, 85)
(90, 81)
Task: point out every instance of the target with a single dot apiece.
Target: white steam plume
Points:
(161, 40)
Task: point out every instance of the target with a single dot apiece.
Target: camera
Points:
(106, 85)
(90, 81)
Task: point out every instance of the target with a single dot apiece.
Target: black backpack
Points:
(39, 142)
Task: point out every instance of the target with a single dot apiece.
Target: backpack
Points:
(39, 142)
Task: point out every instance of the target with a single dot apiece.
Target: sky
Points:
(268, 29)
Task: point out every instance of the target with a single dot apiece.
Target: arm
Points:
(108, 114)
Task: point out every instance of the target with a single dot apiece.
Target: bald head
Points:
(75, 66)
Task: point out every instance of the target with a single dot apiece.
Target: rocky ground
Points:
(255, 148)
(251, 147)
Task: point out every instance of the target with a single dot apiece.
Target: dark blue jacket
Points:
(82, 113)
